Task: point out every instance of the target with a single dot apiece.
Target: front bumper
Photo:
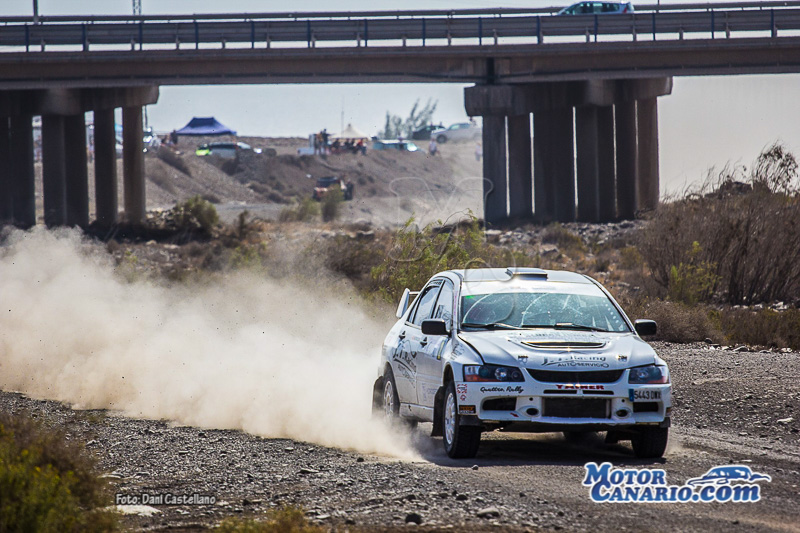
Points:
(597, 406)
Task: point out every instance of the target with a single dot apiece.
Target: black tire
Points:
(460, 442)
(441, 139)
(650, 442)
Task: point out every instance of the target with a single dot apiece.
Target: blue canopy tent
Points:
(205, 126)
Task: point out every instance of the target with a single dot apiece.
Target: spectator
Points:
(433, 148)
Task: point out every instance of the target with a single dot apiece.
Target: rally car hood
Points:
(560, 350)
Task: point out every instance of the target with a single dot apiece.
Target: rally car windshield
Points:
(559, 310)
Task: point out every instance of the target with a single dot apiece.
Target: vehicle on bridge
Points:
(522, 349)
(461, 131)
(328, 183)
(597, 8)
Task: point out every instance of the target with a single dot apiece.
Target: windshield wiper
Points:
(570, 325)
(565, 325)
(495, 325)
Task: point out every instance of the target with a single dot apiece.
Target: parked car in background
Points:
(224, 149)
(325, 184)
(424, 133)
(522, 349)
(466, 131)
(597, 8)
(403, 146)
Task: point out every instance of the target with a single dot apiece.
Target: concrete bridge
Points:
(589, 85)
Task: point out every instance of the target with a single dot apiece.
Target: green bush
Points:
(304, 211)
(196, 213)
(46, 483)
(331, 204)
(416, 256)
(693, 282)
(284, 520)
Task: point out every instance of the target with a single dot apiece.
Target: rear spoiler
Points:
(405, 301)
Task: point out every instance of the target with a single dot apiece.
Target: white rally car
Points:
(522, 349)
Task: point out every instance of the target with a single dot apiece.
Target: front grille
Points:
(645, 407)
(589, 376)
(500, 404)
(575, 408)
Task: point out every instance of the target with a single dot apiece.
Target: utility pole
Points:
(137, 8)
(36, 11)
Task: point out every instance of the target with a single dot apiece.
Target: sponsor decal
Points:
(502, 389)
(461, 391)
(580, 387)
(522, 359)
(576, 361)
(721, 484)
(466, 410)
(622, 358)
(404, 358)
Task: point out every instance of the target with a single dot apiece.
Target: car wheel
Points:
(391, 402)
(460, 442)
(650, 442)
(441, 139)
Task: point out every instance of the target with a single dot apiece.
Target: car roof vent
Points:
(523, 272)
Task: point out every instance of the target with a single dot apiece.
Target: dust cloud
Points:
(267, 357)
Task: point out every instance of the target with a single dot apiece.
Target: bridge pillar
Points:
(543, 179)
(586, 141)
(627, 159)
(563, 164)
(77, 178)
(22, 175)
(105, 168)
(6, 178)
(520, 185)
(605, 163)
(54, 174)
(495, 182)
(133, 164)
(647, 129)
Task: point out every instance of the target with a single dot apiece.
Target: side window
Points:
(426, 301)
(444, 304)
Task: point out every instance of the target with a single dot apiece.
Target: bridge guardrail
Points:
(408, 30)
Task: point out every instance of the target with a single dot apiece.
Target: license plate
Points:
(644, 395)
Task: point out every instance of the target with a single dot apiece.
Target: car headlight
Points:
(492, 373)
(649, 374)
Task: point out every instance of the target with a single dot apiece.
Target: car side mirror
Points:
(434, 326)
(645, 327)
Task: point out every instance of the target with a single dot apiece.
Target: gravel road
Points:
(730, 407)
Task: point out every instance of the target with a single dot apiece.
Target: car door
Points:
(431, 347)
(404, 358)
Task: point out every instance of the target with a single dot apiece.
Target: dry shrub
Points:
(567, 241)
(283, 520)
(676, 321)
(737, 244)
(304, 211)
(761, 327)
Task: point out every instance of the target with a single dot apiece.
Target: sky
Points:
(706, 121)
